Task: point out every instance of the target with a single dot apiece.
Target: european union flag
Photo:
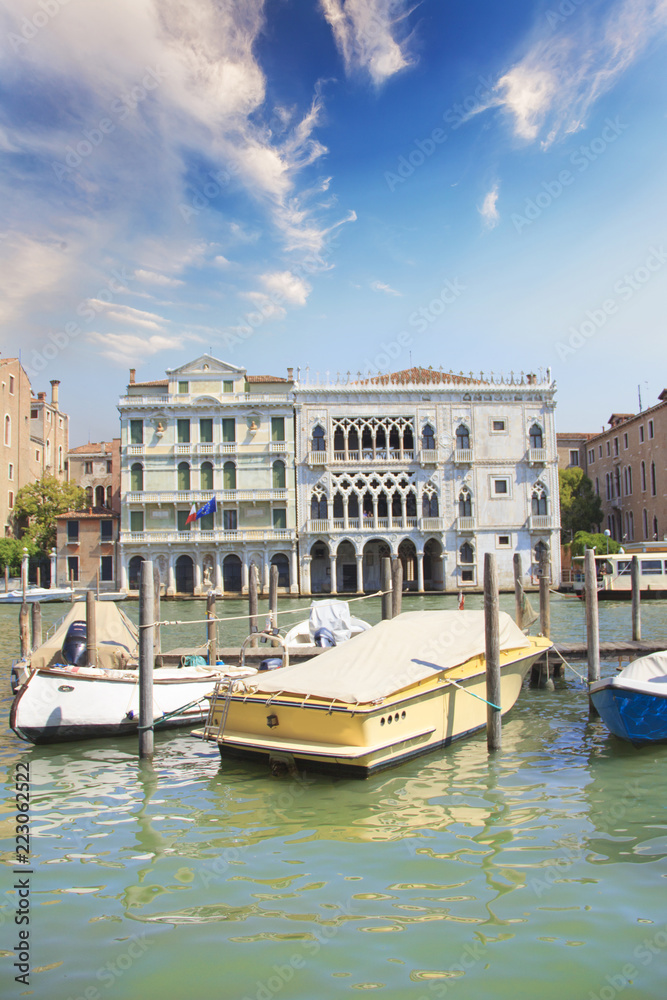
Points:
(208, 508)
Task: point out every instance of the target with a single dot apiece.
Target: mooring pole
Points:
(6, 579)
(211, 630)
(157, 637)
(385, 587)
(24, 629)
(545, 610)
(91, 630)
(396, 587)
(146, 658)
(38, 575)
(273, 596)
(518, 588)
(636, 601)
(53, 582)
(97, 585)
(252, 601)
(592, 622)
(24, 572)
(36, 624)
(492, 635)
(71, 584)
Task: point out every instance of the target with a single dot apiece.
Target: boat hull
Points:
(638, 717)
(359, 740)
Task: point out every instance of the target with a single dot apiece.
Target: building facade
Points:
(96, 467)
(432, 468)
(628, 468)
(86, 548)
(208, 430)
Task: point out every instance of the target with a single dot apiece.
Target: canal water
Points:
(537, 872)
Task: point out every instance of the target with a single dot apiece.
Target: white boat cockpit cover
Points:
(334, 615)
(390, 656)
(117, 637)
(647, 668)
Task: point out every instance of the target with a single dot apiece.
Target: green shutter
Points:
(228, 430)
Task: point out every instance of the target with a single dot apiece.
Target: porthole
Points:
(402, 715)
(396, 717)
(382, 721)
(389, 720)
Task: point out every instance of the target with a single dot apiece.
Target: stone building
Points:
(86, 545)
(434, 468)
(208, 429)
(96, 467)
(627, 465)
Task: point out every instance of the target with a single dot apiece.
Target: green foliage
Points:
(40, 503)
(11, 553)
(584, 540)
(580, 506)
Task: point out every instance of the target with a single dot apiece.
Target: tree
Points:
(584, 540)
(11, 553)
(580, 506)
(40, 503)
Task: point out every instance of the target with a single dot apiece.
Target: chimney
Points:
(290, 374)
(133, 372)
(54, 392)
(41, 395)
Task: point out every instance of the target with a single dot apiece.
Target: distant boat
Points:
(401, 689)
(333, 616)
(614, 573)
(633, 703)
(33, 594)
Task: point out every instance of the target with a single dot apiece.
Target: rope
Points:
(473, 695)
(240, 618)
(580, 676)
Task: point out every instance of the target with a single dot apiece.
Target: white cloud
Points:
(288, 287)
(30, 267)
(489, 209)
(127, 314)
(153, 278)
(131, 349)
(366, 35)
(220, 261)
(379, 286)
(552, 88)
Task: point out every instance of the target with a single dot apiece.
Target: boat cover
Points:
(646, 668)
(117, 637)
(391, 656)
(334, 615)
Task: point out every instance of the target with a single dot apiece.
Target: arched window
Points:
(99, 496)
(430, 504)
(536, 436)
(428, 438)
(655, 528)
(653, 483)
(462, 438)
(279, 475)
(282, 562)
(319, 443)
(60, 460)
(411, 504)
(183, 476)
(206, 476)
(466, 554)
(625, 481)
(318, 507)
(608, 484)
(539, 500)
(465, 503)
(229, 476)
(137, 477)
(89, 496)
(338, 506)
(645, 522)
(8, 429)
(109, 496)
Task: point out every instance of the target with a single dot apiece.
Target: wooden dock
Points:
(621, 649)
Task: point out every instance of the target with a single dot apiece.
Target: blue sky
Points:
(340, 184)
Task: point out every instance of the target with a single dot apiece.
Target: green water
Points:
(539, 872)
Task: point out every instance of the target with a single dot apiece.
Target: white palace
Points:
(322, 477)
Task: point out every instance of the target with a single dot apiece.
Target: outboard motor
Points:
(74, 646)
(271, 663)
(324, 637)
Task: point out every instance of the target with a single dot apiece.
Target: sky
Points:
(344, 185)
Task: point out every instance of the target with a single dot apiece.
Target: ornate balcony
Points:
(537, 456)
(465, 524)
(218, 535)
(463, 456)
(539, 522)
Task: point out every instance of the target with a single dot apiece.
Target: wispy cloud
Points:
(380, 286)
(153, 278)
(367, 35)
(550, 91)
(489, 209)
(127, 314)
(130, 349)
(289, 287)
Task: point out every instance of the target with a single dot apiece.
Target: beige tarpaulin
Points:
(391, 656)
(117, 637)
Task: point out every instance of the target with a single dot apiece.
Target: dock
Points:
(620, 649)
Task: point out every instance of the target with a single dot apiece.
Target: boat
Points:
(34, 594)
(633, 703)
(58, 698)
(332, 615)
(406, 687)
(614, 573)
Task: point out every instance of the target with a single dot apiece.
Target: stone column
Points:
(294, 572)
(123, 573)
(360, 572)
(54, 579)
(266, 568)
(197, 563)
(245, 574)
(332, 564)
(305, 575)
(218, 569)
(420, 571)
(171, 586)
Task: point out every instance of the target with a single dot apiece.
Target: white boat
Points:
(633, 703)
(333, 615)
(33, 594)
(404, 688)
(614, 572)
(56, 701)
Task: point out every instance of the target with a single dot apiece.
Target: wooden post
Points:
(6, 579)
(273, 595)
(24, 630)
(38, 575)
(545, 611)
(157, 638)
(636, 601)
(492, 635)
(592, 622)
(97, 585)
(36, 624)
(396, 587)
(24, 572)
(211, 629)
(91, 630)
(252, 600)
(146, 654)
(385, 587)
(71, 584)
(518, 588)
